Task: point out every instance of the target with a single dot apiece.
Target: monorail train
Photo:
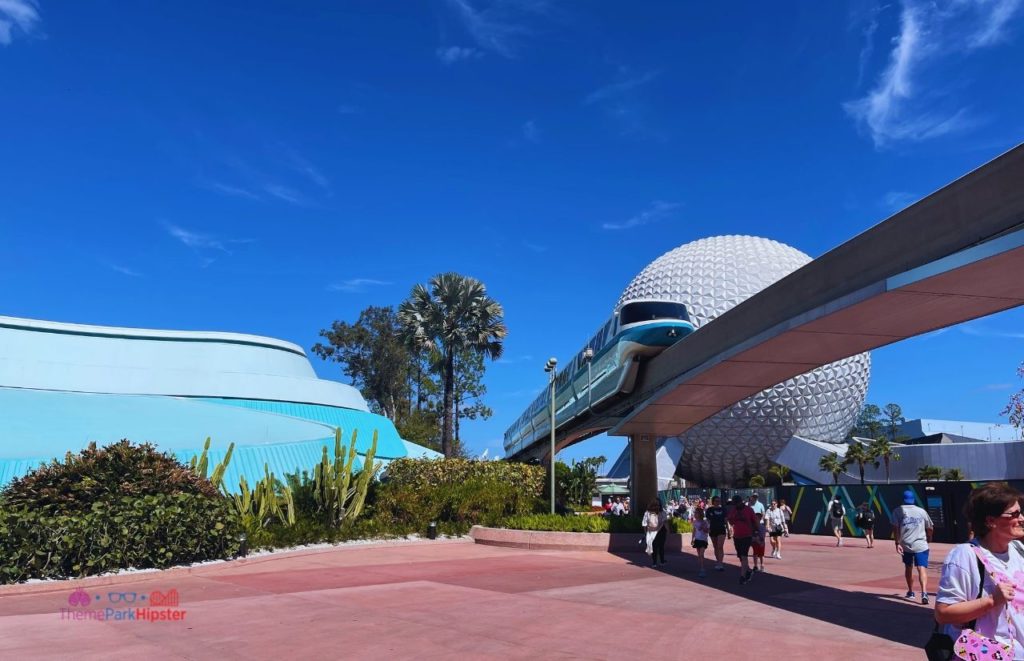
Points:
(640, 329)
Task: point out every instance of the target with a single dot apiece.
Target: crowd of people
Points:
(979, 606)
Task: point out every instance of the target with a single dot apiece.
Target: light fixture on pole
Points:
(588, 355)
(550, 369)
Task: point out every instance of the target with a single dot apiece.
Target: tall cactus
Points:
(336, 499)
(200, 464)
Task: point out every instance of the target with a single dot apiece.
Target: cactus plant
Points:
(200, 464)
(336, 498)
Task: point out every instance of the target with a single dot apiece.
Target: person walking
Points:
(866, 521)
(787, 512)
(836, 516)
(742, 520)
(982, 584)
(655, 525)
(756, 504)
(912, 529)
(718, 529)
(775, 522)
(757, 542)
(700, 539)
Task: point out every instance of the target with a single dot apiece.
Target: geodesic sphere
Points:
(711, 276)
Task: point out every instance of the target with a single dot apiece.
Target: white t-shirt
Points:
(757, 506)
(959, 583)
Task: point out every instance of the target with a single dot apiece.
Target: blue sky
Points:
(268, 167)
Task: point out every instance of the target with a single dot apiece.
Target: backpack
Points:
(867, 517)
(837, 510)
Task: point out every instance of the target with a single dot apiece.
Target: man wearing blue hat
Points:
(912, 529)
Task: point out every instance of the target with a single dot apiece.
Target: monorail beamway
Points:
(956, 255)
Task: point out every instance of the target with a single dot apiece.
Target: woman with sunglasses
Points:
(982, 584)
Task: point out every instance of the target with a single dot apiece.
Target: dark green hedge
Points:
(455, 493)
(98, 474)
(585, 523)
(148, 531)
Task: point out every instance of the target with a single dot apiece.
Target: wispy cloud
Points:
(658, 211)
(512, 360)
(20, 15)
(870, 21)
(452, 54)
(619, 88)
(356, 285)
(204, 245)
(123, 270)
(349, 109)
(990, 387)
(286, 194)
(300, 164)
(896, 200)
(902, 107)
(978, 331)
(498, 26)
(531, 131)
(535, 247)
(228, 189)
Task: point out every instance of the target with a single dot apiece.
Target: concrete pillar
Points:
(643, 472)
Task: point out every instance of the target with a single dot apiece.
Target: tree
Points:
(860, 454)
(882, 449)
(926, 473)
(1015, 407)
(779, 471)
(893, 419)
(578, 481)
(833, 463)
(756, 482)
(469, 389)
(452, 313)
(869, 424)
(954, 475)
(373, 355)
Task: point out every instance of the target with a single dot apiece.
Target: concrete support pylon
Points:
(643, 472)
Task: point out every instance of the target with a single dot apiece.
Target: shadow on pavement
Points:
(886, 616)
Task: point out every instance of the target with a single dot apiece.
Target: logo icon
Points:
(126, 597)
(79, 598)
(170, 598)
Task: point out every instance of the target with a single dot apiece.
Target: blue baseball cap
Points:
(909, 498)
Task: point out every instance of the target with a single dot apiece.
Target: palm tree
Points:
(833, 463)
(756, 482)
(926, 473)
(954, 475)
(454, 314)
(779, 471)
(860, 454)
(882, 449)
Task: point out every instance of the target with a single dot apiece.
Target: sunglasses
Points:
(1015, 514)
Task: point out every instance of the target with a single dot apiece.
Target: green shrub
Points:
(155, 530)
(455, 493)
(559, 523)
(98, 474)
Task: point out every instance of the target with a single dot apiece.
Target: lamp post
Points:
(588, 355)
(550, 369)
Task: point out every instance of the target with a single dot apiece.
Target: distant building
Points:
(965, 431)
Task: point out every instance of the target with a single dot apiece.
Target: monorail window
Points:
(632, 313)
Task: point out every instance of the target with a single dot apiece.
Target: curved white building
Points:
(64, 385)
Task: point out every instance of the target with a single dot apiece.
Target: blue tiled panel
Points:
(389, 443)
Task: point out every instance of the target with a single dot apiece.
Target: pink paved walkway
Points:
(436, 600)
